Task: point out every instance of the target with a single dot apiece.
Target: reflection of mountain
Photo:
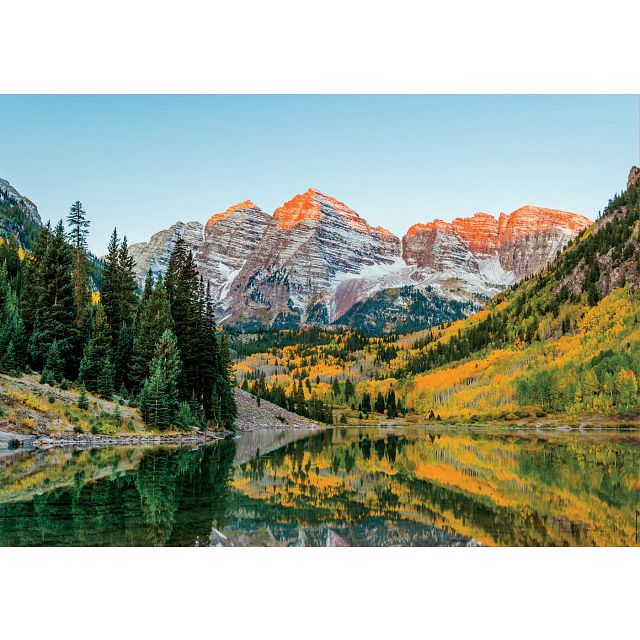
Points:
(335, 487)
(368, 532)
(256, 443)
(494, 489)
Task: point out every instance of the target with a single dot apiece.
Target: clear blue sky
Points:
(143, 162)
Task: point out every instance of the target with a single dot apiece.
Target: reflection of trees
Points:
(586, 468)
(172, 497)
(503, 489)
(156, 480)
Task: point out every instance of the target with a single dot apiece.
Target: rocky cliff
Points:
(501, 250)
(19, 217)
(316, 258)
(310, 245)
(220, 247)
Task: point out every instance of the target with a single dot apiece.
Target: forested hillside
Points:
(564, 342)
(158, 351)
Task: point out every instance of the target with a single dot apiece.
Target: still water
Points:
(335, 487)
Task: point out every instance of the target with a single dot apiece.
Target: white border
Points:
(344, 46)
(327, 594)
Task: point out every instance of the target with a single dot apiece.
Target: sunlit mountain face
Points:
(316, 261)
(337, 487)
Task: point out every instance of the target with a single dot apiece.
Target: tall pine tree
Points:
(153, 319)
(78, 232)
(159, 399)
(55, 318)
(13, 337)
(224, 388)
(98, 348)
(33, 279)
(118, 292)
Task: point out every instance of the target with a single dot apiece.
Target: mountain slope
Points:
(565, 342)
(220, 248)
(316, 261)
(311, 243)
(19, 217)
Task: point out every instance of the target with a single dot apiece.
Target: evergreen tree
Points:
(97, 350)
(118, 292)
(78, 226)
(78, 232)
(183, 291)
(210, 361)
(9, 361)
(153, 319)
(83, 402)
(12, 333)
(159, 402)
(106, 385)
(379, 405)
(184, 418)
(122, 356)
(149, 283)
(54, 367)
(109, 289)
(366, 403)
(391, 404)
(224, 388)
(5, 287)
(328, 416)
(349, 389)
(153, 401)
(33, 280)
(128, 298)
(55, 318)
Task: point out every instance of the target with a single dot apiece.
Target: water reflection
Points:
(334, 487)
(115, 496)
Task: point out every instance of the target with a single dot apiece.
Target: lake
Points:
(332, 487)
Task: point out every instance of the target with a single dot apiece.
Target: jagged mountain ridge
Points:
(317, 261)
(316, 258)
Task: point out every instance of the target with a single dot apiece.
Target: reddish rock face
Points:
(242, 207)
(311, 243)
(316, 257)
(479, 232)
(523, 241)
(435, 245)
(220, 248)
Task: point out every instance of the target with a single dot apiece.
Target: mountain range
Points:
(317, 261)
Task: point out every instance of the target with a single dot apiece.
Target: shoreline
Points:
(16, 442)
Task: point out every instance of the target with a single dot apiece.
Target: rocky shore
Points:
(90, 441)
(36, 416)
